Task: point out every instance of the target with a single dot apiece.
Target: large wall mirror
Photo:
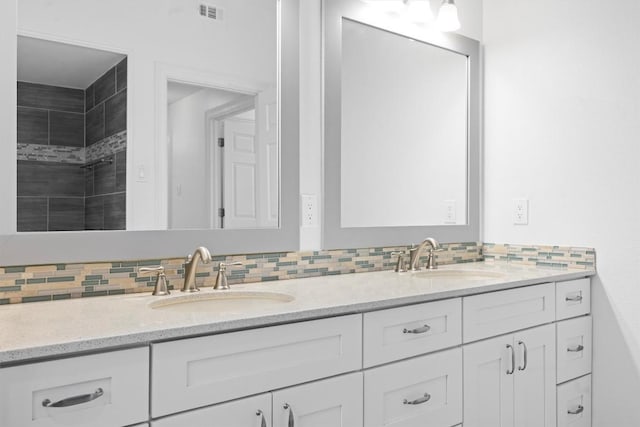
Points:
(146, 129)
(401, 130)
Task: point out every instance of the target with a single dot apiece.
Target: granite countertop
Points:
(51, 329)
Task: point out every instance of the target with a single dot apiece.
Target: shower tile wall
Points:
(105, 130)
(59, 130)
(50, 193)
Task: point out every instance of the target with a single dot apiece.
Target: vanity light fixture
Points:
(448, 16)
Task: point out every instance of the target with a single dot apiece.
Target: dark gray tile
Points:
(105, 86)
(115, 114)
(121, 75)
(94, 123)
(48, 179)
(50, 97)
(104, 178)
(66, 213)
(115, 211)
(66, 129)
(121, 170)
(33, 126)
(32, 214)
(89, 98)
(88, 182)
(94, 213)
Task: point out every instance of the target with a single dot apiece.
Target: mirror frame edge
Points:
(95, 246)
(334, 236)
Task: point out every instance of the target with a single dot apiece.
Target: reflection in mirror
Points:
(223, 158)
(404, 131)
(72, 137)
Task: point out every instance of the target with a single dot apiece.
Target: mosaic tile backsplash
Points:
(23, 284)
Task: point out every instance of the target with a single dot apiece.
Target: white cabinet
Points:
(424, 391)
(509, 381)
(403, 332)
(573, 298)
(496, 313)
(202, 371)
(249, 412)
(574, 403)
(336, 402)
(574, 348)
(108, 389)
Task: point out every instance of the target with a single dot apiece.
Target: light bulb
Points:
(419, 11)
(448, 16)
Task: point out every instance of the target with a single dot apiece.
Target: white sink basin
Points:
(458, 274)
(229, 301)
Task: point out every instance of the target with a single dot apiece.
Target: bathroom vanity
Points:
(479, 344)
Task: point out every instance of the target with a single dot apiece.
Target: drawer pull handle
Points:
(421, 330)
(291, 422)
(524, 356)
(75, 400)
(418, 401)
(513, 360)
(263, 421)
(576, 349)
(578, 410)
(576, 298)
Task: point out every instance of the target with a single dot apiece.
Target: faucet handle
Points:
(221, 278)
(400, 268)
(161, 287)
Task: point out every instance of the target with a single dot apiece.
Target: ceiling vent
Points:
(211, 12)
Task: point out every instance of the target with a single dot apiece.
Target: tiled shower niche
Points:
(71, 144)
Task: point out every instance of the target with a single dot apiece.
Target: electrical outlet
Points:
(449, 211)
(520, 211)
(309, 210)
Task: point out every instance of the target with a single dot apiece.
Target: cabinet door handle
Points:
(576, 349)
(418, 401)
(578, 410)
(291, 422)
(74, 400)
(576, 298)
(513, 360)
(263, 421)
(524, 356)
(420, 330)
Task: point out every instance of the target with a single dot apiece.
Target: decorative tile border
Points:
(541, 255)
(106, 147)
(64, 281)
(73, 155)
(51, 153)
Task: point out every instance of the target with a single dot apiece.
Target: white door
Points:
(336, 402)
(240, 174)
(489, 367)
(249, 412)
(535, 377)
(268, 159)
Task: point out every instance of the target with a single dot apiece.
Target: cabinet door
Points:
(250, 412)
(489, 367)
(336, 402)
(534, 379)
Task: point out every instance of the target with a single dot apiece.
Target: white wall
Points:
(311, 162)
(240, 48)
(562, 122)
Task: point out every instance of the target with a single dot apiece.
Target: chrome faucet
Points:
(416, 253)
(190, 267)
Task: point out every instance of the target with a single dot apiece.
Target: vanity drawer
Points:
(573, 348)
(497, 313)
(574, 403)
(403, 332)
(239, 413)
(423, 391)
(573, 298)
(108, 389)
(196, 372)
